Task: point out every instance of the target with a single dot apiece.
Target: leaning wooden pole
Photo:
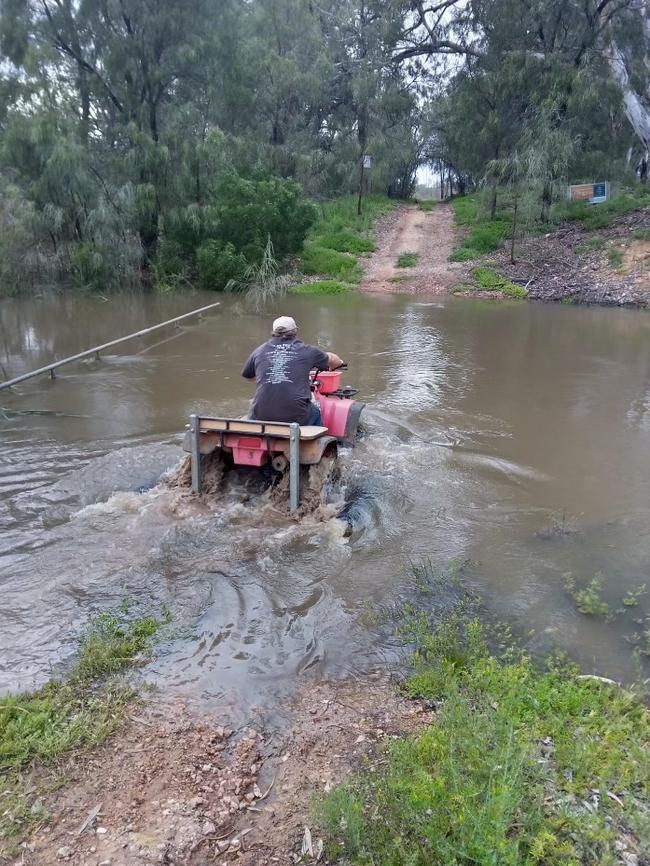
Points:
(50, 368)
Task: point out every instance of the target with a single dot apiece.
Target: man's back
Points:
(281, 368)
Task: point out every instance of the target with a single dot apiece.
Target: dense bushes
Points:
(216, 242)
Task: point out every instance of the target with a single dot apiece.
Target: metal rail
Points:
(50, 368)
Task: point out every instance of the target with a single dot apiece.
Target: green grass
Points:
(319, 261)
(484, 236)
(641, 234)
(505, 774)
(600, 216)
(346, 242)
(407, 260)
(341, 236)
(615, 257)
(322, 287)
(490, 280)
(427, 206)
(39, 728)
(591, 245)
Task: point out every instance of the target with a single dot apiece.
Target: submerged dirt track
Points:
(408, 229)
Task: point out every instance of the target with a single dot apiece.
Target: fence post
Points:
(195, 454)
(294, 467)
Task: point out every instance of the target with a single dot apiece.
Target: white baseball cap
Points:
(284, 323)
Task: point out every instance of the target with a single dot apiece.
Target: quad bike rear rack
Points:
(253, 441)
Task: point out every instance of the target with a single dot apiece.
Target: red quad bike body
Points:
(257, 443)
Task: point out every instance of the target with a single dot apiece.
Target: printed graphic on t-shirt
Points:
(280, 357)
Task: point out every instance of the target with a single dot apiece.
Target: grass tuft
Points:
(407, 260)
(615, 258)
(427, 206)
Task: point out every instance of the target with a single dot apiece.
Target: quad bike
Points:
(243, 442)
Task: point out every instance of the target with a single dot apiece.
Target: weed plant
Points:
(589, 597)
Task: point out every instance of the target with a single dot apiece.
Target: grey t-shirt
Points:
(281, 368)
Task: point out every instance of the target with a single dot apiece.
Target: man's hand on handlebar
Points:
(335, 362)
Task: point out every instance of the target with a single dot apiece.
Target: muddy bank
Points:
(610, 266)
(178, 788)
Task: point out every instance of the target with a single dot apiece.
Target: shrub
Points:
(87, 266)
(218, 263)
(250, 211)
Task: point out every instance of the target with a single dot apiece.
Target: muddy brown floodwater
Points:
(512, 437)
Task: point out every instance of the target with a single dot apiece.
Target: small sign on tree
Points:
(367, 161)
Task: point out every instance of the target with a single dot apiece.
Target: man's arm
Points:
(334, 360)
(249, 368)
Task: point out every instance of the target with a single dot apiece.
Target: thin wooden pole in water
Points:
(50, 368)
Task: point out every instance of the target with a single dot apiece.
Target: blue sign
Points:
(600, 192)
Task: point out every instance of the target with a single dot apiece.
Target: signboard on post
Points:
(594, 193)
(367, 161)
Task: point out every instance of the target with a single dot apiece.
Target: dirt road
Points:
(177, 789)
(409, 229)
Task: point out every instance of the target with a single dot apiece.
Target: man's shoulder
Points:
(262, 346)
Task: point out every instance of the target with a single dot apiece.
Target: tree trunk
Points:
(84, 97)
(547, 200)
(637, 105)
(493, 202)
(514, 229)
(361, 172)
